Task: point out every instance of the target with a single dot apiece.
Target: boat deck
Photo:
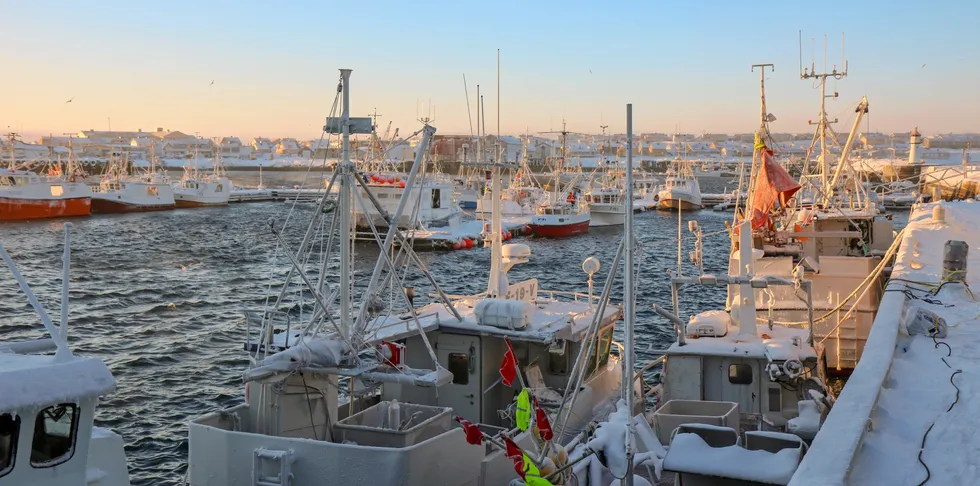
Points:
(908, 411)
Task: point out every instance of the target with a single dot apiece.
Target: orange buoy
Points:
(468, 242)
(457, 245)
(510, 235)
(401, 183)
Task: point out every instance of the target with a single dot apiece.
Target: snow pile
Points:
(807, 423)
(319, 353)
(689, 453)
(33, 382)
(610, 440)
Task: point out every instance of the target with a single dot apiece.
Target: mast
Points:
(629, 312)
(495, 288)
(346, 237)
(823, 122)
(763, 119)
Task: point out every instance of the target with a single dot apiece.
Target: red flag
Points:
(473, 434)
(541, 419)
(515, 454)
(772, 183)
(508, 370)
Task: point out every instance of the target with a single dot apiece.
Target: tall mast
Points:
(629, 312)
(822, 121)
(496, 225)
(345, 168)
(761, 133)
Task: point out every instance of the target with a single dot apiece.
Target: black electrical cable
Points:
(956, 399)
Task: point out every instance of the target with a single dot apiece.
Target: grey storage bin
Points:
(370, 427)
(676, 412)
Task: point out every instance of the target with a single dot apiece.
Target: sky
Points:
(685, 66)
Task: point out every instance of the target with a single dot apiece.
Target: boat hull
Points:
(674, 204)
(560, 230)
(104, 206)
(15, 209)
(193, 203)
(607, 215)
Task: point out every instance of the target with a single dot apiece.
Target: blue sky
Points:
(681, 64)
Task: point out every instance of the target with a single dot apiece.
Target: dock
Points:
(905, 415)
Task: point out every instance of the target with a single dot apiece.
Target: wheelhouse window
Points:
(220, 188)
(9, 432)
(459, 366)
(740, 374)
(57, 190)
(152, 190)
(55, 432)
(601, 355)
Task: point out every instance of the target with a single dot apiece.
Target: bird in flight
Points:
(69, 101)
(923, 66)
(212, 83)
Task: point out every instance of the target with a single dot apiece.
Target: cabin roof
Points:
(775, 344)
(35, 381)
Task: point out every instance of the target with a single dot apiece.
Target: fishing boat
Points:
(196, 188)
(389, 393)
(681, 190)
(120, 192)
(49, 402)
(826, 225)
(431, 201)
(564, 212)
(26, 195)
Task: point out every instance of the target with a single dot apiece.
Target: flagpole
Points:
(629, 313)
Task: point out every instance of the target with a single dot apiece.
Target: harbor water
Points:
(159, 296)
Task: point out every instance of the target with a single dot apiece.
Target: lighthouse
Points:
(914, 141)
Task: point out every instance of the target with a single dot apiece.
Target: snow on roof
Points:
(33, 381)
(776, 344)
(918, 390)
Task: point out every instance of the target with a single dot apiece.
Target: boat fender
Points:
(457, 245)
(468, 243)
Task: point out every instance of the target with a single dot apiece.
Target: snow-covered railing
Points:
(828, 462)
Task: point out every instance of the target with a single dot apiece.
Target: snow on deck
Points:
(902, 387)
(33, 381)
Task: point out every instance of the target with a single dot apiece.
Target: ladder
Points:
(281, 460)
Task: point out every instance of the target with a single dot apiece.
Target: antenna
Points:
(823, 123)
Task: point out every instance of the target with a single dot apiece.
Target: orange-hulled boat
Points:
(26, 195)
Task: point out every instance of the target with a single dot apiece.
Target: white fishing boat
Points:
(431, 201)
(839, 238)
(681, 190)
(48, 404)
(120, 192)
(387, 393)
(196, 188)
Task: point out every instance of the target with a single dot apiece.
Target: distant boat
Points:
(26, 195)
(195, 189)
(563, 213)
(119, 192)
(680, 190)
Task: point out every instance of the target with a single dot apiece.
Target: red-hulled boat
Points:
(559, 220)
(25, 195)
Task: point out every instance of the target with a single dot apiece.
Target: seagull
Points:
(923, 65)
(590, 71)
(73, 98)
(212, 83)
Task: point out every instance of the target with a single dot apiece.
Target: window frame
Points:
(740, 366)
(72, 436)
(15, 438)
(466, 371)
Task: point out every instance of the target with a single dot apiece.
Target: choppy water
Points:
(158, 297)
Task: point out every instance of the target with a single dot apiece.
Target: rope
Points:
(956, 399)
